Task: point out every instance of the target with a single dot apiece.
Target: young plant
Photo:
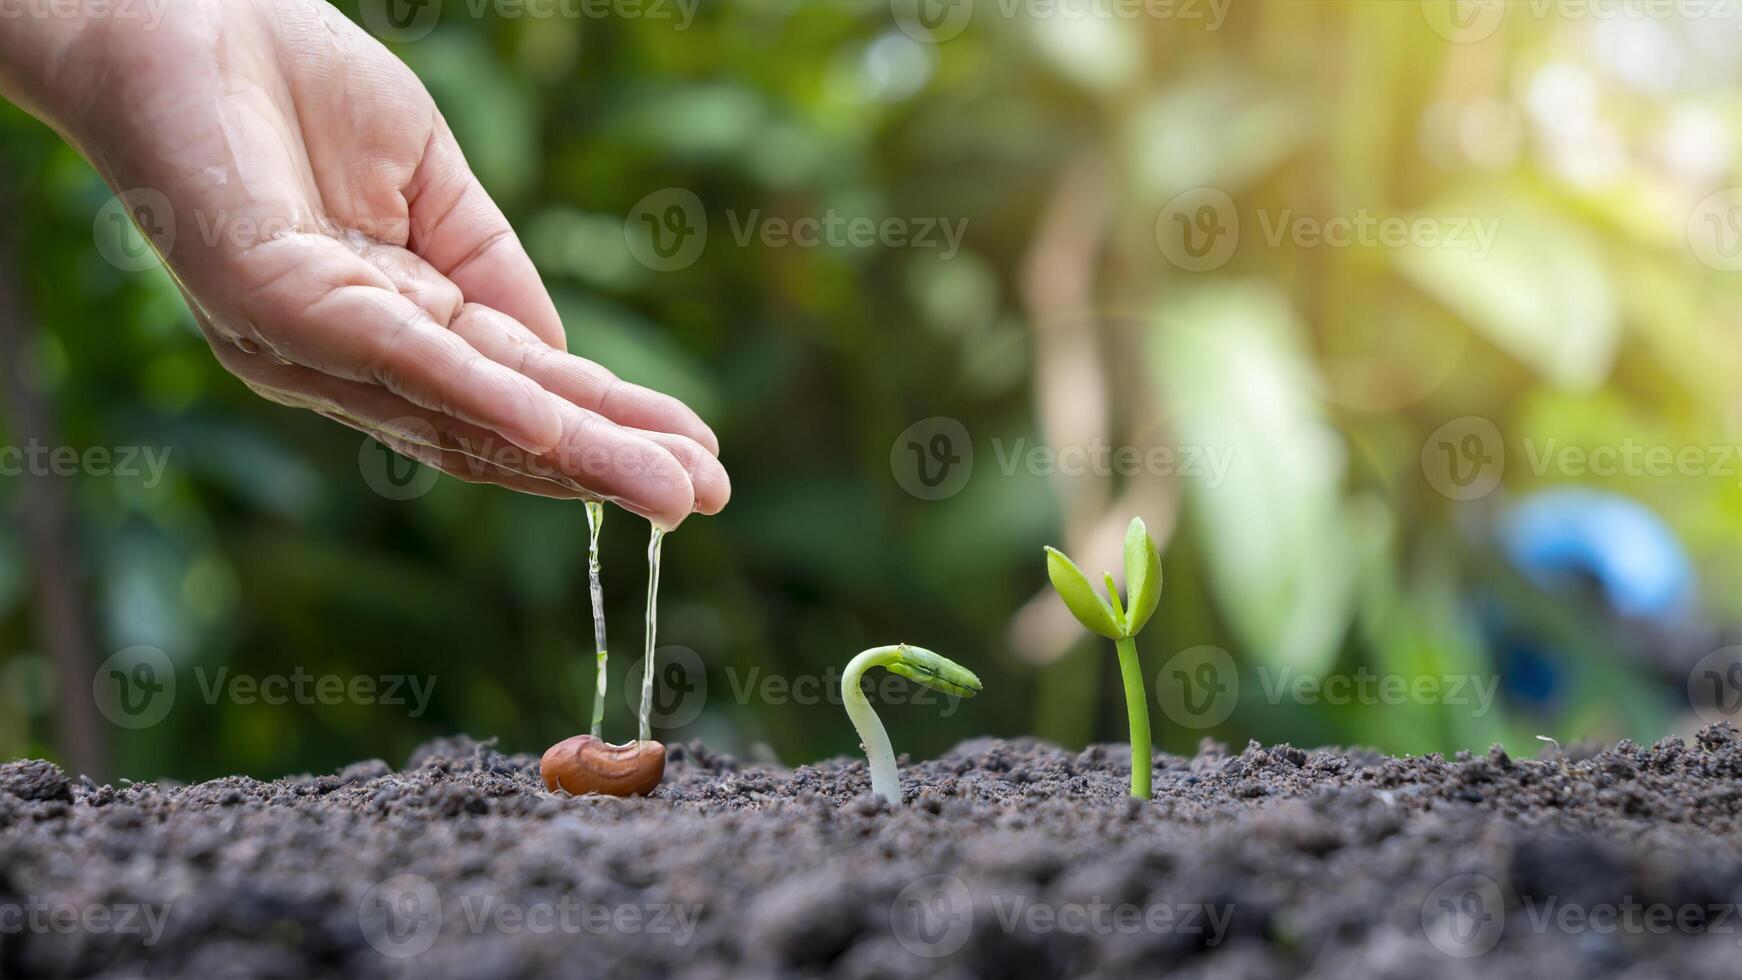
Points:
(1120, 624)
(915, 664)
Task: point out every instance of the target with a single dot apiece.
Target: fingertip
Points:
(716, 497)
(713, 488)
(665, 500)
(708, 478)
(707, 438)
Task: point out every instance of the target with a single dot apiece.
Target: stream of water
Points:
(596, 521)
(653, 549)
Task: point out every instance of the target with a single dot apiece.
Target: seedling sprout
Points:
(916, 664)
(1120, 624)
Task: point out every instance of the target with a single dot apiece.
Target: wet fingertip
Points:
(713, 490)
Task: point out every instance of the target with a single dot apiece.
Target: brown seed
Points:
(585, 764)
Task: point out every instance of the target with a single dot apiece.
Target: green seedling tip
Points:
(938, 673)
(916, 664)
(1142, 576)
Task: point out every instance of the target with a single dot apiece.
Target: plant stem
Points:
(595, 522)
(865, 721)
(1137, 712)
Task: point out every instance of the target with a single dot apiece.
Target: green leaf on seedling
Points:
(1080, 597)
(941, 674)
(1142, 575)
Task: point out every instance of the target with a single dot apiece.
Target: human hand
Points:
(339, 254)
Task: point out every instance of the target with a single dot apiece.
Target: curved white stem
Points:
(878, 751)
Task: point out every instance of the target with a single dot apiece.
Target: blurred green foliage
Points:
(1060, 140)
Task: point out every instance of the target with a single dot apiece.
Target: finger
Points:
(595, 457)
(582, 382)
(416, 280)
(629, 467)
(457, 448)
(466, 468)
(327, 308)
(713, 488)
(506, 341)
(459, 230)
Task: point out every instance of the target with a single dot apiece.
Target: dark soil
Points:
(1009, 860)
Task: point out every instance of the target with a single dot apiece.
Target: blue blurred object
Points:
(1560, 537)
